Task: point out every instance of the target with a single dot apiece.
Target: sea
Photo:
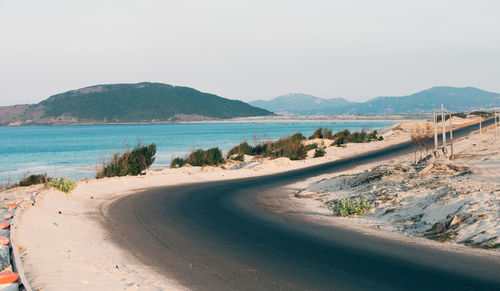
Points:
(77, 151)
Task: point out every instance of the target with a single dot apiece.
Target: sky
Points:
(249, 50)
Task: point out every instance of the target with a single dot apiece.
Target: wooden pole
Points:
(451, 138)
(444, 129)
(481, 127)
(435, 132)
(495, 125)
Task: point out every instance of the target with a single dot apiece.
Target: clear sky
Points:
(249, 50)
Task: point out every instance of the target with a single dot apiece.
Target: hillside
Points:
(453, 98)
(298, 103)
(123, 103)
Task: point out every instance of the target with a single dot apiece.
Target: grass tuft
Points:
(63, 184)
(349, 206)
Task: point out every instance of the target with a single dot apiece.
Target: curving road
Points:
(216, 236)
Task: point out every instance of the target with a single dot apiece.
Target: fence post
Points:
(444, 129)
(434, 121)
(451, 137)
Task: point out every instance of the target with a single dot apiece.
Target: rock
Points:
(456, 221)
(409, 225)
(420, 224)
(4, 257)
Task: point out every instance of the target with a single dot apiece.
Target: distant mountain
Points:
(123, 103)
(299, 104)
(453, 98)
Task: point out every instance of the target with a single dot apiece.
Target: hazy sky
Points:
(249, 49)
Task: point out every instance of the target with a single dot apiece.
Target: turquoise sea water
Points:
(75, 151)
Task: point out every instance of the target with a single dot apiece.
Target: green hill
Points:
(143, 102)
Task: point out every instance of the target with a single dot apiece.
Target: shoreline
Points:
(259, 119)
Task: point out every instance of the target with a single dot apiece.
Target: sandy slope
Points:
(65, 247)
(443, 200)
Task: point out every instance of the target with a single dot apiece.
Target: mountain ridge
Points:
(454, 99)
(128, 103)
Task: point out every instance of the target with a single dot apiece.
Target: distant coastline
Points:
(257, 119)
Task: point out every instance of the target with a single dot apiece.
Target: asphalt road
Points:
(216, 236)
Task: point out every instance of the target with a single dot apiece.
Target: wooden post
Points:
(481, 127)
(435, 132)
(495, 125)
(444, 129)
(451, 138)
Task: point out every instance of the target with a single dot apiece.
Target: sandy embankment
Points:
(64, 246)
(443, 200)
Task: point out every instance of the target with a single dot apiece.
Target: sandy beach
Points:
(64, 246)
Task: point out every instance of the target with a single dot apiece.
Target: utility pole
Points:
(451, 138)
(444, 129)
(435, 133)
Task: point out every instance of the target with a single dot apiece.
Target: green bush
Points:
(290, 147)
(63, 184)
(129, 163)
(320, 152)
(200, 157)
(322, 133)
(240, 158)
(349, 206)
(177, 163)
(34, 180)
(345, 136)
(242, 149)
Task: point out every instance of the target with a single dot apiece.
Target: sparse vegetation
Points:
(483, 114)
(242, 149)
(240, 158)
(34, 179)
(349, 206)
(421, 141)
(63, 184)
(322, 133)
(447, 116)
(130, 163)
(200, 157)
(320, 152)
(177, 163)
(345, 136)
(290, 147)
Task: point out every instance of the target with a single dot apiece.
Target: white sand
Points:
(71, 251)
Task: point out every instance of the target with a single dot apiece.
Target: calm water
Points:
(74, 151)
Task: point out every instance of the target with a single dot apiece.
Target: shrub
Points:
(63, 184)
(322, 133)
(447, 116)
(129, 163)
(349, 206)
(320, 152)
(311, 146)
(240, 158)
(345, 136)
(34, 180)
(242, 149)
(290, 147)
(200, 157)
(177, 163)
